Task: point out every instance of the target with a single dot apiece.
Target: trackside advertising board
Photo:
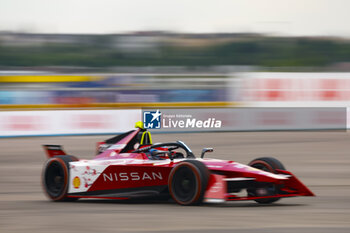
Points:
(69, 122)
(87, 122)
(290, 89)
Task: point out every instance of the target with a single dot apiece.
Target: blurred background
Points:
(115, 55)
(75, 68)
(66, 70)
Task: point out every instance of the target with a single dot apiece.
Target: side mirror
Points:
(205, 150)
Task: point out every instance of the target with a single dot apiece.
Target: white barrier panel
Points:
(69, 122)
(85, 122)
(290, 89)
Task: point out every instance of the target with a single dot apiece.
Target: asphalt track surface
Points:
(320, 159)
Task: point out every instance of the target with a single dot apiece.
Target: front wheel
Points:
(267, 164)
(55, 177)
(188, 181)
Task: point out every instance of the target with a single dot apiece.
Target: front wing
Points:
(222, 189)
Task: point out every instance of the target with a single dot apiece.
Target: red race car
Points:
(129, 166)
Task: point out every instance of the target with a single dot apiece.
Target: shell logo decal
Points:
(76, 182)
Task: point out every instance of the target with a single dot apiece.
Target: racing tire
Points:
(55, 177)
(268, 164)
(188, 181)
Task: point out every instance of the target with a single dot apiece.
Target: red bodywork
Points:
(120, 173)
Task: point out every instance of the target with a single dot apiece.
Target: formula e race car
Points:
(129, 166)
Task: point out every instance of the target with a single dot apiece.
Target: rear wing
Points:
(53, 150)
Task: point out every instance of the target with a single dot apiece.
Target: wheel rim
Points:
(54, 179)
(270, 189)
(184, 184)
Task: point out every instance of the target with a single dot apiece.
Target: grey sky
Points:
(282, 17)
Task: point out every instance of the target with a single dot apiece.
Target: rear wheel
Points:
(55, 177)
(188, 182)
(267, 164)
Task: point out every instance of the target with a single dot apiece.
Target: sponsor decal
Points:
(76, 182)
(87, 182)
(90, 171)
(83, 174)
(135, 176)
(192, 123)
(169, 120)
(152, 119)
